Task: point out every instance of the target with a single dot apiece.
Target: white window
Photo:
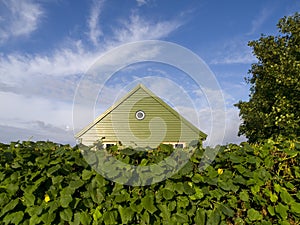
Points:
(179, 145)
(140, 115)
(109, 144)
(176, 144)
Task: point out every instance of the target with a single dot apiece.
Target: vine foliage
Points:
(49, 183)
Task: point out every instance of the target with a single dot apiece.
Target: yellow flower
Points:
(292, 145)
(47, 198)
(220, 171)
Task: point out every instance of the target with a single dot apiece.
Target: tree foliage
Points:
(274, 103)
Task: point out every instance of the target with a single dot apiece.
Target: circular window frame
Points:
(138, 112)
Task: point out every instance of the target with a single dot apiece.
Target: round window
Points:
(140, 115)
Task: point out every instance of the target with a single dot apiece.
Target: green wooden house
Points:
(140, 119)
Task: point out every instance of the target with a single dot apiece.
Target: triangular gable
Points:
(151, 94)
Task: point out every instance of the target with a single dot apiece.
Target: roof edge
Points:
(149, 92)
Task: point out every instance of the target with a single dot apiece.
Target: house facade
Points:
(140, 119)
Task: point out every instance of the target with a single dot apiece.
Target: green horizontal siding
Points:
(159, 125)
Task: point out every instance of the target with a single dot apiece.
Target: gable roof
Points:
(151, 94)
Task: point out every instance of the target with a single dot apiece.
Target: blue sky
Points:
(47, 46)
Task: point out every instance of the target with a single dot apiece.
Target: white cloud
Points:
(22, 18)
(25, 117)
(40, 87)
(234, 52)
(139, 29)
(77, 58)
(260, 19)
(95, 31)
(22, 108)
(141, 2)
(16, 67)
(35, 133)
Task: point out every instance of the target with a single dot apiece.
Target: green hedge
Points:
(48, 183)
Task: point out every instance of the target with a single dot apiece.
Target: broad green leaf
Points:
(285, 196)
(76, 184)
(126, 214)
(171, 205)
(53, 206)
(226, 210)
(289, 185)
(136, 207)
(188, 189)
(34, 210)
(198, 194)
(65, 200)
(3, 199)
(53, 169)
(148, 204)
(239, 221)
(98, 196)
(200, 217)
(13, 218)
(238, 179)
(10, 206)
(86, 174)
(76, 219)
(48, 218)
(66, 214)
(145, 218)
(233, 202)
(182, 201)
(197, 178)
(255, 189)
(271, 210)
(281, 210)
(253, 215)
(244, 196)
(214, 218)
(188, 168)
(34, 219)
(224, 185)
(12, 188)
(57, 179)
(85, 218)
(144, 162)
(295, 208)
(29, 199)
(284, 222)
(181, 218)
(277, 188)
(179, 187)
(273, 197)
(168, 194)
(165, 213)
(97, 214)
(109, 217)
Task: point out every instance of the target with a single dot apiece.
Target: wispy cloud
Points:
(136, 28)
(17, 67)
(235, 58)
(234, 52)
(43, 85)
(95, 31)
(21, 18)
(260, 19)
(141, 2)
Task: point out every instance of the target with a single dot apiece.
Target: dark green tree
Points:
(273, 108)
